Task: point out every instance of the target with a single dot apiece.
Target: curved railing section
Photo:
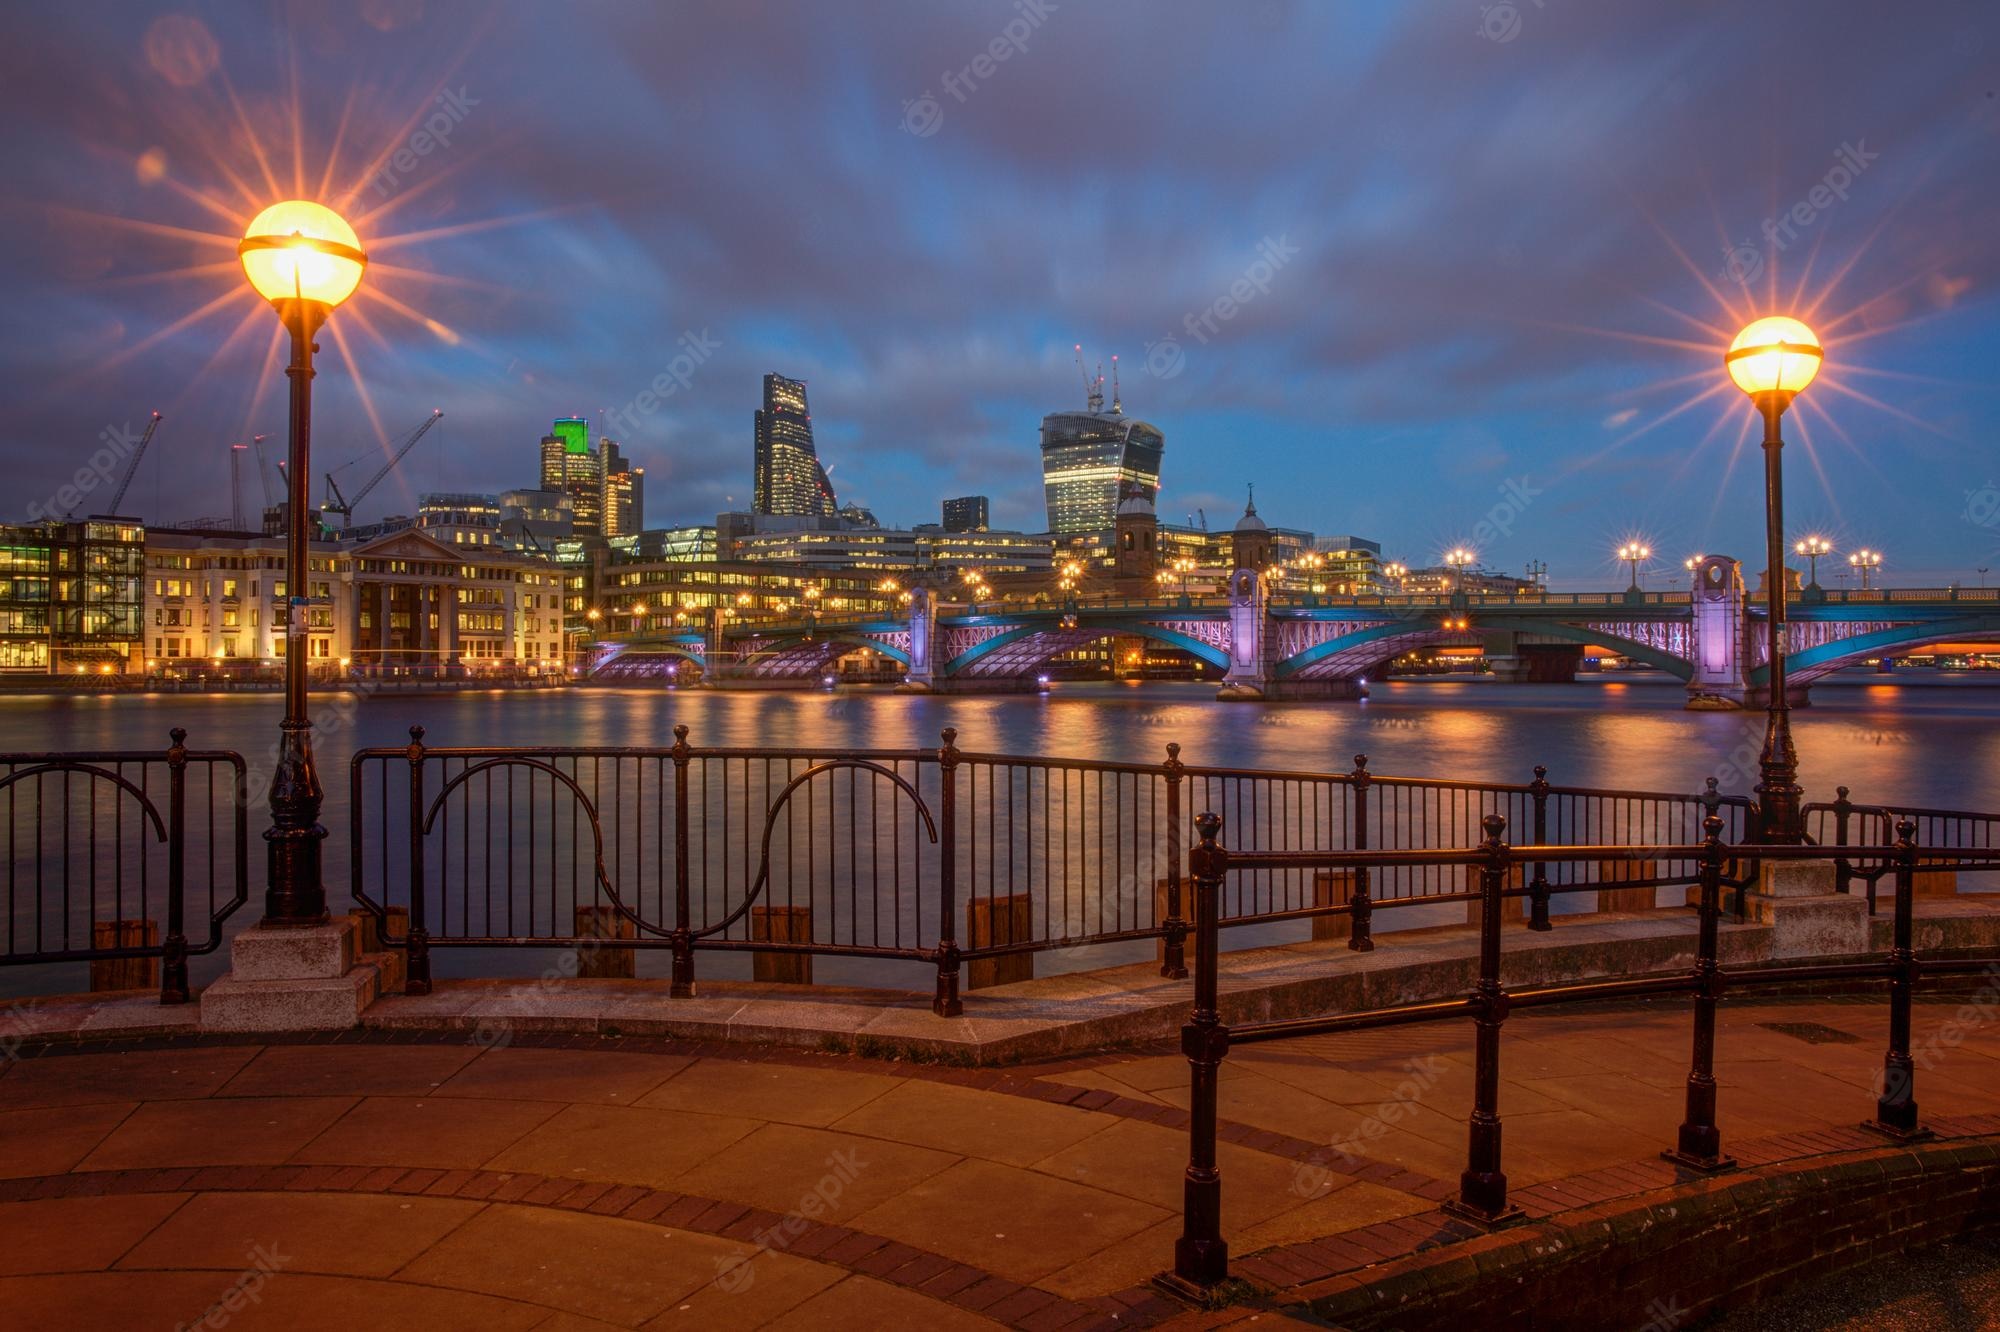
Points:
(109, 852)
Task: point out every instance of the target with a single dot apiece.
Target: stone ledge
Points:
(317, 1004)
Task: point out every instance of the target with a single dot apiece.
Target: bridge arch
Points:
(1025, 647)
(1824, 659)
(807, 654)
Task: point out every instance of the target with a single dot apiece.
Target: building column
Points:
(1249, 676)
(922, 674)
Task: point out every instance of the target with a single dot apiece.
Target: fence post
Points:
(1361, 906)
(173, 949)
(418, 977)
(1201, 1255)
(1700, 1146)
(1482, 1186)
(1843, 872)
(682, 985)
(1538, 891)
(945, 1003)
(1896, 1107)
(1174, 965)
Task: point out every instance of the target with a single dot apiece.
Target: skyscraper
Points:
(571, 466)
(967, 513)
(789, 479)
(624, 491)
(1093, 459)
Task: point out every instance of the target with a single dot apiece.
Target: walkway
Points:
(585, 1182)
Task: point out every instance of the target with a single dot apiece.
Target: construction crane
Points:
(131, 468)
(236, 518)
(342, 504)
(263, 470)
(1093, 389)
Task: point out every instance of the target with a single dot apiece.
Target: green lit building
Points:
(571, 466)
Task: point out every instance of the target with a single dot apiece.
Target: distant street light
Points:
(1397, 571)
(1458, 557)
(1865, 561)
(1691, 563)
(1812, 548)
(1772, 360)
(304, 259)
(1633, 553)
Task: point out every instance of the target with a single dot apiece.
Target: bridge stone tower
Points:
(1721, 656)
(1137, 539)
(921, 678)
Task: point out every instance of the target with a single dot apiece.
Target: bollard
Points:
(1334, 888)
(1627, 899)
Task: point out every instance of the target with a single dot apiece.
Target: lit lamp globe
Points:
(1774, 358)
(302, 251)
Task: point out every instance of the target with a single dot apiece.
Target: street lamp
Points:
(1865, 560)
(1691, 563)
(304, 259)
(1772, 360)
(1399, 572)
(1632, 553)
(1458, 557)
(1812, 548)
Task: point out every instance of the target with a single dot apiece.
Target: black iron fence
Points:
(1840, 823)
(109, 853)
(1201, 1254)
(941, 856)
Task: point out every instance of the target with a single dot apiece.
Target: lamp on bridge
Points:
(1866, 561)
(1772, 360)
(1691, 563)
(1812, 548)
(1458, 557)
(1633, 553)
(1397, 571)
(304, 259)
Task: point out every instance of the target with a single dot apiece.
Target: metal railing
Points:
(1201, 1254)
(98, 871)
(939, 856)
(1841, 823)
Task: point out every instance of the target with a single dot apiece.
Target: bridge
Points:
(1710, 636)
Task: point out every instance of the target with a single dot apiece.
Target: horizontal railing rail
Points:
(1201, 1254)
(101, 847)
(1973, 838)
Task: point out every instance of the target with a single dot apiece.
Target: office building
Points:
(624, 492)
(1092, 460)
(71, 598)
(967, 513)
(788, 477)
(571, 466)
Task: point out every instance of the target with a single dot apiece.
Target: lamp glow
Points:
(300, 250)
(1776, 354)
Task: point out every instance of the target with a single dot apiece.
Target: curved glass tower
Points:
(1092, 460)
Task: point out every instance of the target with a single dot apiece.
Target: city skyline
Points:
(1386, 369)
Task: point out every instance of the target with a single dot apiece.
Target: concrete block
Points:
(601, 961)
(124, 973)
(999, 920)
(1835, 925)
(1794, 878)
(782, 924)
(310, 1004)
(309, 952)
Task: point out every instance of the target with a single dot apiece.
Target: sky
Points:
(1439, 274)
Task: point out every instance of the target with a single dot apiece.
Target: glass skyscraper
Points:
(1091, 461)
(571, 466)
(789, 479)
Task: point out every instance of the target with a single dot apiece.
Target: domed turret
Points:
(1252, 540)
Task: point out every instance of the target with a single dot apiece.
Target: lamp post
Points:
(1691, 563)
(1458, 557)
(1865, 560)
(1772, 360)
(1633, 553)
(304, 259)
(1812, 548)
(1398, 571)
